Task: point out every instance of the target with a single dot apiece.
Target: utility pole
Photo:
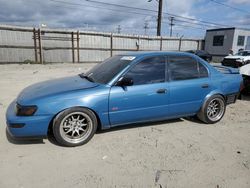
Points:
(171, 25)
(159, 18)
(119, 29)
(145, 27)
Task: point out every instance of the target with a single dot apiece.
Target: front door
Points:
(146, 99)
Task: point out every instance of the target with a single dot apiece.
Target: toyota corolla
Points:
(124, 89)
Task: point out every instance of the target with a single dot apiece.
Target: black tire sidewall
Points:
(59, 118)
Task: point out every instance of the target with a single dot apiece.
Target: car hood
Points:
(52, 87)
(234, 57)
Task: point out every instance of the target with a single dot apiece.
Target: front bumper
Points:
(26, 126)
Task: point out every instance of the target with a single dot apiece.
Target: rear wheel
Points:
(212, 110)
(74, 126)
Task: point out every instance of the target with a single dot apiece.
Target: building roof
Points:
(228, 28)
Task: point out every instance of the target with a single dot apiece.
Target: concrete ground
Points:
(169, 154)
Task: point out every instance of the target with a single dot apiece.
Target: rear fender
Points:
(214, 92)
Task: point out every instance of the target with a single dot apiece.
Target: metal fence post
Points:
(138, 44)
(40, 46)
(78, 47)
(180, 43)
(198, 44)
(111, 44)
(35, 44)
(161, 44)
(73, 47)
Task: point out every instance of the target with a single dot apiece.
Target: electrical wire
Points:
(232, 7)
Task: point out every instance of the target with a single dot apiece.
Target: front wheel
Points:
(212, 110)
(74, 126)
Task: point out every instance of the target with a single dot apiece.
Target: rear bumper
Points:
(26, 126)
(231, 98)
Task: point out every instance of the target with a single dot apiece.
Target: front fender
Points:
(95, 99)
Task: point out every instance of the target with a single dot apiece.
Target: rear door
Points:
(146, 99)
(189, 83)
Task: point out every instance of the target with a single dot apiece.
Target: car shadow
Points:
(25, 141)
(52, 139)
(147, 124)
(245, 97)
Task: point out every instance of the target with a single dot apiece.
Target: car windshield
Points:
(243, 53)
(108, 69)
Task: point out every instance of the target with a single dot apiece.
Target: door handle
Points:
(161, 91)
(205, 86)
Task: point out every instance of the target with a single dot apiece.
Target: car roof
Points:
(155, 53)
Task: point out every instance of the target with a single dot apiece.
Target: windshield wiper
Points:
(86, 77)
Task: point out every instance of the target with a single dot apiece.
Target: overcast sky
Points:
(83, 14)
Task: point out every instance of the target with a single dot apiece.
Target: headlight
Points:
(25, 110)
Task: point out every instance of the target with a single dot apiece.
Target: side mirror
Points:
(124, 81)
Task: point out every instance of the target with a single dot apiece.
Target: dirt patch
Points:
(175, 153)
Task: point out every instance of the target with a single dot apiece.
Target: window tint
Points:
(203, 71)
(184, 68)
(108, 69)
(218, 40)
(151, 70)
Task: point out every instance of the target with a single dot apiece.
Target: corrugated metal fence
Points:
(18, 44)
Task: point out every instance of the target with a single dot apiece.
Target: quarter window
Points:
(151, 70)
(185, 68)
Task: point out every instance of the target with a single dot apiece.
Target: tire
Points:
(212, 110)
(74, 126)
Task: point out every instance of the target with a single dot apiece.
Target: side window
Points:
(203, 71)
(185, 68)
(151, 70)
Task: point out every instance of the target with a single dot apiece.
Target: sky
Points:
(191, 17)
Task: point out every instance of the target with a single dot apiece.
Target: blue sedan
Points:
(124, 89)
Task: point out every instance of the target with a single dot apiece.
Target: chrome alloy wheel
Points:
(76, 127)
(215, 109)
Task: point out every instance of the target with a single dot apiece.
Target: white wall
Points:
(240, 32)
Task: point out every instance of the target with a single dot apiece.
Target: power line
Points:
(188, 26)
(194, 23)
(92, 6)
(229, 6)
(149, 10)
(153, 12)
